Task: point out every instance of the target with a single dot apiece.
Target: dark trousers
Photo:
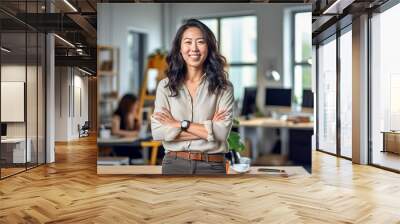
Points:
(175, 165)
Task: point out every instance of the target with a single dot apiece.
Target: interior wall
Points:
(61, 103)
(114, 21)
(79, 115)
(69, 82)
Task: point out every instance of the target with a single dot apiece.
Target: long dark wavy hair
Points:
(213, 64)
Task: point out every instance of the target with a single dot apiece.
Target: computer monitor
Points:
(278, 97)
(249, 101)
(308, 99)
(278, 102)
(3, 129)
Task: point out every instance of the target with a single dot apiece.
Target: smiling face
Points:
(194, 47)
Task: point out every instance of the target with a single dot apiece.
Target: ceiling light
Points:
(84, 71)
(65, 41)
(79, 51)
(5, 49)
(275, 75)
(70, 5)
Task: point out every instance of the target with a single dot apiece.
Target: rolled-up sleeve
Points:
(159, 131)
(219, 130)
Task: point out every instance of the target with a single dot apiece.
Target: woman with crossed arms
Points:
(193, 106)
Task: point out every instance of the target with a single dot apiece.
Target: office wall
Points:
(71, 86)
(80, 109)
(113, 24)
(61, 103)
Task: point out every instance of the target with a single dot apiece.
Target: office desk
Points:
(267, 122)
(145, 142)
(145, 169)
(13, 150)
(117, 141)
(391, 141)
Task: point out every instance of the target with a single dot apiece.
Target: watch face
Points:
(185, 124)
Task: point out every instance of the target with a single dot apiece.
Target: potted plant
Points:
(235, 145)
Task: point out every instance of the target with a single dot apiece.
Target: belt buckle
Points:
(189, 153)
(206, 156)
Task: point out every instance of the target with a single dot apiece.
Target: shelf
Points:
(107, 60)
(106, 73)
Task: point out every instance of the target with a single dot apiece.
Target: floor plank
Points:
(70, 191)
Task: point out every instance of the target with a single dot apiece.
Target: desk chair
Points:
(84, 129)
(154, 150)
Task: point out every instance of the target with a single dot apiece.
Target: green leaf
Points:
(234, 142)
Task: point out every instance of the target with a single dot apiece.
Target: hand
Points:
(165, 118)
(220, 115)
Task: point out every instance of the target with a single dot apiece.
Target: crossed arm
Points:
(194, 132)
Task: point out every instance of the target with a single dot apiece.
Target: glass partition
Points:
(22, 88)
(14, 153)
(327, 96)
(41, 111)
(31, 98)
(346, 93)
(385, 89)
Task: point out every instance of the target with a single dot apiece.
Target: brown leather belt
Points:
(219, 158)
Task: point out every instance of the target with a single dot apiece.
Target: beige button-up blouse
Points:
(198, 110)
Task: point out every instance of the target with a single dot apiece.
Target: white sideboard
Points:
(17, 145)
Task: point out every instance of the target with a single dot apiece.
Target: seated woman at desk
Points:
(193, 106)
(126, 124)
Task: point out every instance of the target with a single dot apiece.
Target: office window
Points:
(385, 88)
(302, 54)
(327, 96)
(136, 62)
(237, 39)
(346, 94)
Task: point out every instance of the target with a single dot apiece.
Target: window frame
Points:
(371, 14)
(218, 37)
(333, 37)
(293, 62)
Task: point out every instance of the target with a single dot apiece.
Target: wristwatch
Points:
(185, 125)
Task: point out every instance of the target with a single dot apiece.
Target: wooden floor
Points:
(386, 159)
(70, 191)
